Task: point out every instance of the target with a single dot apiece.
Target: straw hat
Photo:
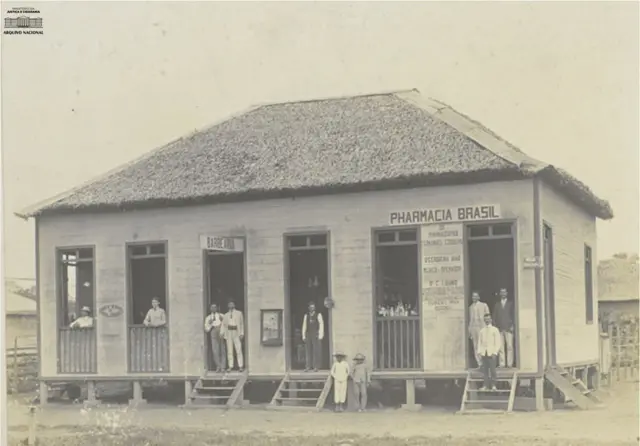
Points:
(339, 353)
(87, 309)
(359, 357)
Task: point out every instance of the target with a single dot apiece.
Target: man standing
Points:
(503, 317)
(312, 334)
(212, 325)
(233, 331)
(488, 347)
(477, 310)
(156, 316)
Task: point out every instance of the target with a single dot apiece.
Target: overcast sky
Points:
(110, 81)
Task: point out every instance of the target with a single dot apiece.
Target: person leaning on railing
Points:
(84, 321)
(156, 316)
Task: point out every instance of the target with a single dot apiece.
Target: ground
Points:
(163, 425)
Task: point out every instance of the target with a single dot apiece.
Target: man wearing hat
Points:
(84, 321)
(361, 380)
(340, 374)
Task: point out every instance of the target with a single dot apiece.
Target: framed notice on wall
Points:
(271, 327)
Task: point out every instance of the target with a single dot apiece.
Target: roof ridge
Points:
(334, 98)
(474, 130)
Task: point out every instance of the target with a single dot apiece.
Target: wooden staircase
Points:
(302, 391)
(219, 389)
(573, 389)
(501, 400)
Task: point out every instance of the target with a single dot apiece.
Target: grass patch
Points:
(149, 437)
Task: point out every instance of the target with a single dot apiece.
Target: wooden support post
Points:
(14, 381)
(188, 388)
(411, 396)
(595, 377)
(137, 395)
(539, 392)
(293, 386)
(91, 401)
(44, 393)
(584, 376)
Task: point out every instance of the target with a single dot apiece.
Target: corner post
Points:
(539, 392)
(44, 393)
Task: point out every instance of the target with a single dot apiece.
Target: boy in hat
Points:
(340, 374)
(361, 380)
(84, 321)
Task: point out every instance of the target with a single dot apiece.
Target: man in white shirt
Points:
(340, 372)
(213, 325)
(477, 310)
(489, 347)
(84, 321)
(233, 331)
(156, 316)
(312, 334)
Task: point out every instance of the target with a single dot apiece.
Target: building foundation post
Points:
(411, 396)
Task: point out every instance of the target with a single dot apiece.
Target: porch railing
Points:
(398, 343)
(148, 349)
(77, 350)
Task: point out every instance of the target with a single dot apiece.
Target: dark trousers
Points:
(489, 370)
(312, 350)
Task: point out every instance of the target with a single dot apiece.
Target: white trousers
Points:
(475, 335)
(506, 338)
(233, 343)
(339, 392)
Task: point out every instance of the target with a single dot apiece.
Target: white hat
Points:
(87, 309)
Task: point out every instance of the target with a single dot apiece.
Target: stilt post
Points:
(411, 396)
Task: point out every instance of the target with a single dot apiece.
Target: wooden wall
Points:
(349, 217)
(576, 340)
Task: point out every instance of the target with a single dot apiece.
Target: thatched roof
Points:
(378, 141)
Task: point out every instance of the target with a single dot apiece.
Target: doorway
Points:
(225, 282)
(491, 265)
(308, 281)
(549, 291)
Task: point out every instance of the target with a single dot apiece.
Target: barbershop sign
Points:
(445, 215)
(217, 243)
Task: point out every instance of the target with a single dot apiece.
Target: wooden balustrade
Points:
(398, 343)
(77, 350)
(148, 349)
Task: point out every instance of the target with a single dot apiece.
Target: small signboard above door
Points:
(218, 243)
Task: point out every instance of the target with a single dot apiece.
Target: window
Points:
(308, 241)
(75, 283)
(588, 283)
(147, 276)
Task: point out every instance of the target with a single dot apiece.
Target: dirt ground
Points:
(617, 423)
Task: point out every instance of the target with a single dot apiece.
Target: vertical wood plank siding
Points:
(398, 343)
(148, 349)
(77, 350)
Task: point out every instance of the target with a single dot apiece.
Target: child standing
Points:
(340, 374)
(361, 381)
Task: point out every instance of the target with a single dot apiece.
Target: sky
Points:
(109, 81)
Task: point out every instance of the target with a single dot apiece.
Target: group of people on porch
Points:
(226, 332)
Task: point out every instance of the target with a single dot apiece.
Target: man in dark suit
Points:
(503, 319)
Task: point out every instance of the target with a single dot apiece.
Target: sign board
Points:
(445, 215)
(442, 267)
(532, 263)
(218, 243)
(443, 296)
(111, 310)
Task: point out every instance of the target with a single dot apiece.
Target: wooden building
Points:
(387, 210)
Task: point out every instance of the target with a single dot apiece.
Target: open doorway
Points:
(224, 277)
(308, 281)
(491, 266)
